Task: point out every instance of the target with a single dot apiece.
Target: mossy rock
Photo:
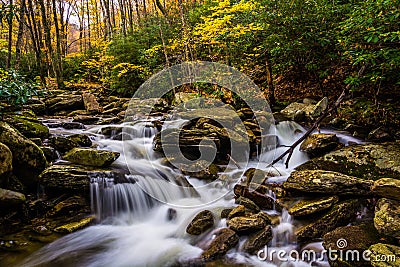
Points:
(319, 144)
(29, 126)
(387, 217)
(74, 226)
(28, 159)
(327, 182)
(311, 206)
(340, 214)
(387, 187)
(385, 255)
(91, 157)
(62, 144)
(6, 162)
(368, 161)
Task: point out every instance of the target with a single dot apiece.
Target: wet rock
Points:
(260, 198)
(13, 245)
(258, 240)
(295, 107)
(81, 139)
(225, 212)
(72, 125)
(201, 169)
(91, 157)
(370, 161)
(28, 159)
(248, 204)
(248, 224)
(171, 214)
(62, 144)
(319, 108)
(37, 106)
(59, 179)
(50, 153)
(319, 144)
(90, 102)
(341, 214)
(387, 217)
(10, 198)
(349, 239)
(237, 211)
(385, 255)
(37, 141)
(326, 182)
(225, 240)
(387, 187)
(67, 207)
(307, 207)
(257, 176)
(28, 126)
(74, 226)
(6, 162)
(201, 223)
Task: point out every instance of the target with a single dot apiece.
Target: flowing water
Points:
(137, 228)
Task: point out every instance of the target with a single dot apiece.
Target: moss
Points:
(74, 226)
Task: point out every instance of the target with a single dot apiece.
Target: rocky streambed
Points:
(52, 166)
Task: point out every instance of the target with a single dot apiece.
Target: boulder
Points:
(387, 217)
(258, 240)
(350, 241)
(326, 182)
(201, 169)
(248, 204)
(387, 187)
(37, 106)
(385, 255)
(9, 199)
(309, 110)
(68, 206)
(28, 159)
(62, 144)
(311, 206)
(64, 103)
(82, 140)
(319, 144)
(248, 224)
(90, 102)
(340, 214)
(6, 162)
(59, 179)
(368, 161)
(203, 221)
(91, 157)
(29, 126)
(49, 152)
(85, 119)
(225, 240)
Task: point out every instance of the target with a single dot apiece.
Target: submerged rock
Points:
(341, 214)
(387, 217)
(91, 157)
(225, 240)
(258, 240)
(387, 187)
(327, 182)
(319, 144)
(370, 161)
(9, 199)
(307, 207)
(385, 255)
(28, 159)
(201, 223)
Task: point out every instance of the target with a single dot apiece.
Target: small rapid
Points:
(142, 219)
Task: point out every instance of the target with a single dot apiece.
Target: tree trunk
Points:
(270, 82)
(10, 29)
(20, 34)
(57, 56)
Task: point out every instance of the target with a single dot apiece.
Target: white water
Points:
(138, 230)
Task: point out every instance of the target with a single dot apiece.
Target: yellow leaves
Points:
(126, 68)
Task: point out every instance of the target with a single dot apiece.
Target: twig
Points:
(234, 161)
(316, 124)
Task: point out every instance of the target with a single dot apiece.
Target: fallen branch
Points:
(333, 108)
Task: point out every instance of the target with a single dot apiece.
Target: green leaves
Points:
(15, 90)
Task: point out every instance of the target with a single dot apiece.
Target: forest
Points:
(93, 174)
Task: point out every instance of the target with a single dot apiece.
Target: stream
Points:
(142, 221)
